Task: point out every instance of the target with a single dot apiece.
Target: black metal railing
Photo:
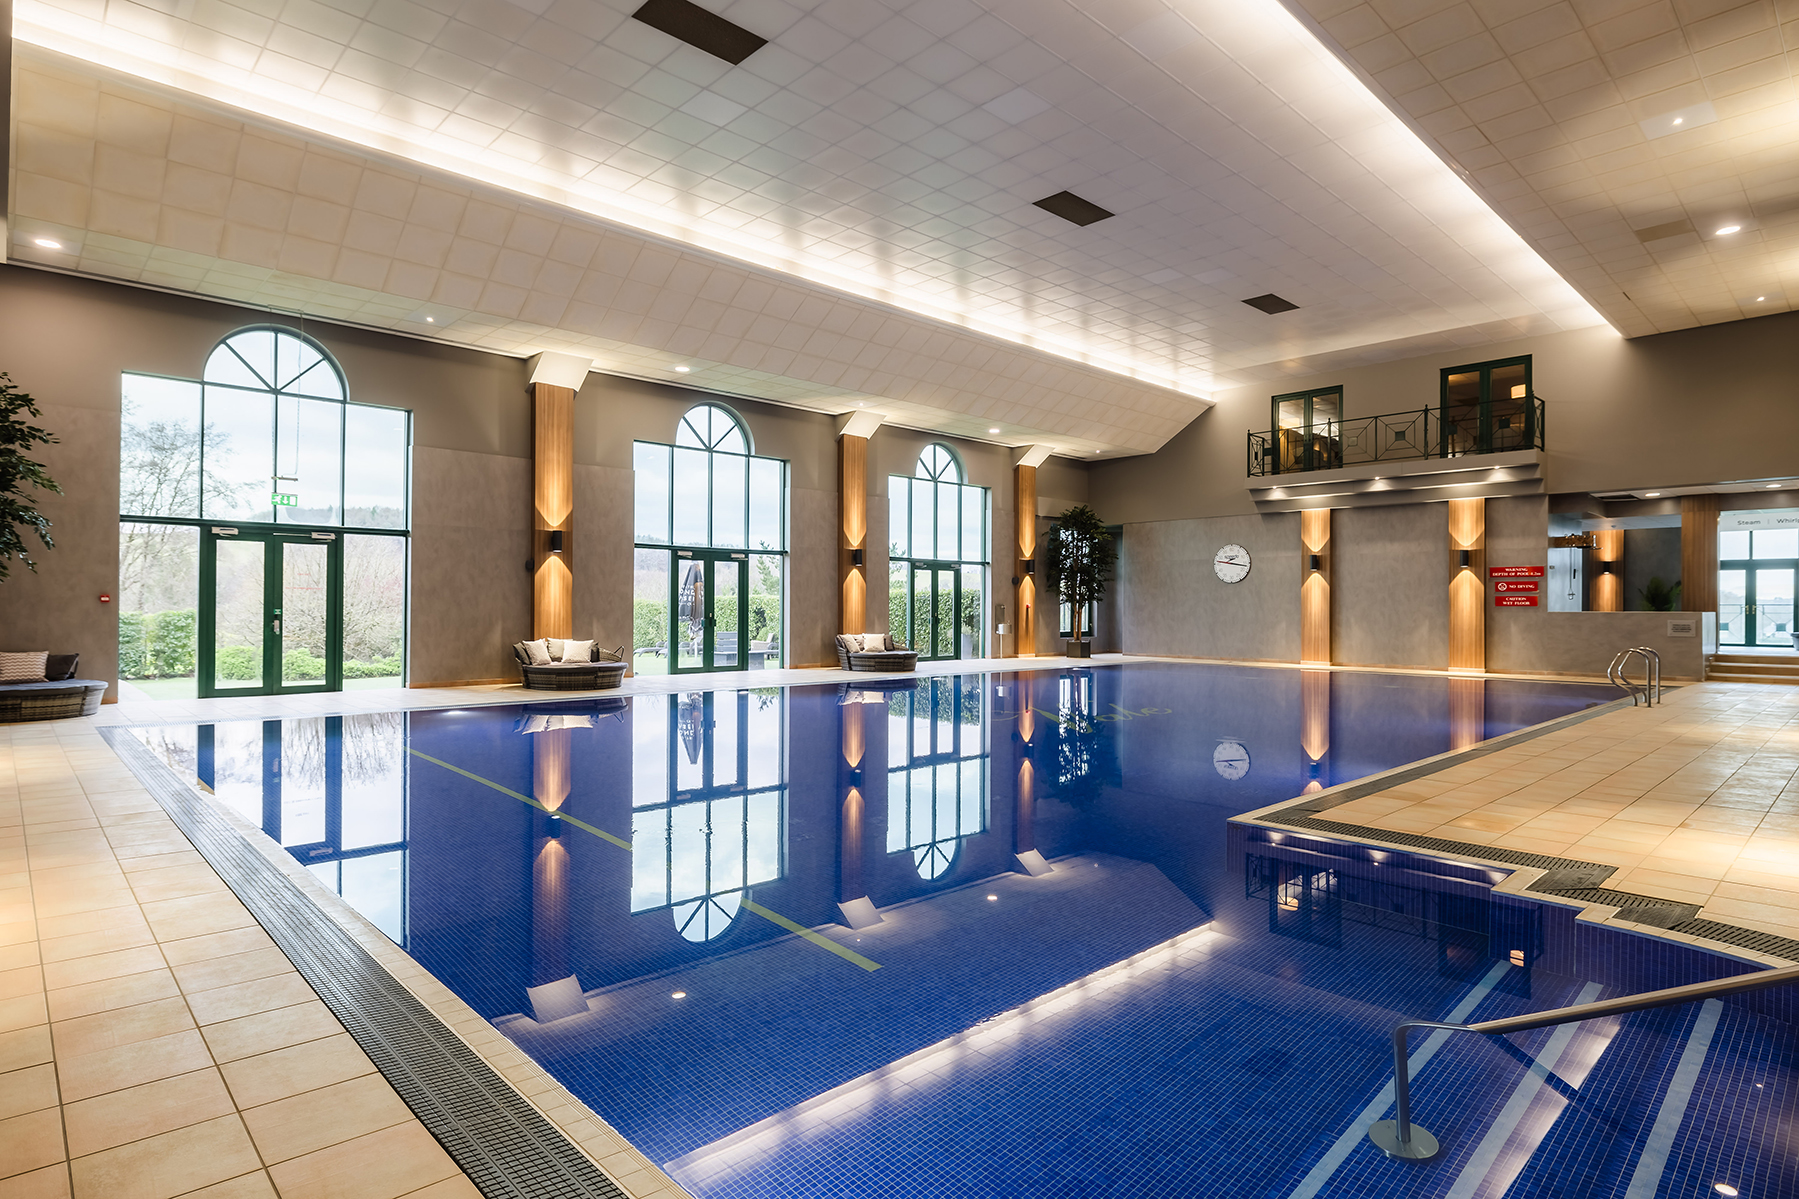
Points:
(1448, 432)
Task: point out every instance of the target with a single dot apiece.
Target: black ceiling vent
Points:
(701, 29)
(1071, 207)
(1271, 304)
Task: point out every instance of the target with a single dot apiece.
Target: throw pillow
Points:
(23, 668)
(555, 645)
(577, 651)
(539, 651)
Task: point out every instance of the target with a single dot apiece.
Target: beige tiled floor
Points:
(1695, 800)
(153, 1041)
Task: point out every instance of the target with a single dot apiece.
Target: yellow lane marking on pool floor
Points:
(818, 939)
(525, 799)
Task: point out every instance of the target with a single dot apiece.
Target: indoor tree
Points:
(1080, 563)
(19, 475)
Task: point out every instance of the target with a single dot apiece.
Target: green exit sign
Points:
(285, 499)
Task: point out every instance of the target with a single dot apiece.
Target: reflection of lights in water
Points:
(1724, 1188)
(679, 995)
(1517, 957)
(992, 898)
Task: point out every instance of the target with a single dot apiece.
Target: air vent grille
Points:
(1271, 304)
(1071, 207)
(701, 29)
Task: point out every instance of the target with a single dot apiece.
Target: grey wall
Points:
(1619, 415)
(1649, 553)
(1171, 601)
(1389, 586)
(1584, 643)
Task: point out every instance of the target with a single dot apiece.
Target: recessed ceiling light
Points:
(48, 243)
(430, 320)
(1680, 120)
(682, 370)
(1649, 495)
(993, 430)
(1759, 299)
(1728, 229)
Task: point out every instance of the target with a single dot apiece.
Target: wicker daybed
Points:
(851, 655)
(602, 672)
(58, 696)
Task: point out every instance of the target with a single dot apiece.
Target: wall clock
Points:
(1231, 564)
(1231, 760)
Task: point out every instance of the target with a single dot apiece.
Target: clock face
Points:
(1231, 760)
(1231, 564)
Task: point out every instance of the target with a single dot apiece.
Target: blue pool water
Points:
(994, 936)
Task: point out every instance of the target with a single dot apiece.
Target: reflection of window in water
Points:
(332, 790)
(709, 788)
(937, 794)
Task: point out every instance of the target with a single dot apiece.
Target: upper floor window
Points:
(934, 515)
(709, 490)
(267, 435)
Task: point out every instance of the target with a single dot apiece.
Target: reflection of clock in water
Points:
(1231, 760)
(1231, 564)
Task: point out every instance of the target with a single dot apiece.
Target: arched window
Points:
(937, 791)
(711, 532)
(937, 557)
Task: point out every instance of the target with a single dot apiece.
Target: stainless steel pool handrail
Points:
(1400, 1138)
(1651, 690)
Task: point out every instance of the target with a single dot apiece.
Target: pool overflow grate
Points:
(508, 1149)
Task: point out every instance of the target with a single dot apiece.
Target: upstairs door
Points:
(271, 612)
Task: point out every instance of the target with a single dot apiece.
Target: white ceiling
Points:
(1620, 137)
(881, 155)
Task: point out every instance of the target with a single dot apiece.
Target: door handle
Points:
(277, 626)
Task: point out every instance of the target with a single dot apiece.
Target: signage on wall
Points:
(284, 499)
(1514, 601)
(1514, 572)
(1514, 587)
(1768, 518)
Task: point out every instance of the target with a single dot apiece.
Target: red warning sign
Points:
(1514, 572)
(1514, 601)
(1514, 587)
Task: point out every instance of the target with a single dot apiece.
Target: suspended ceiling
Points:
(845, 219)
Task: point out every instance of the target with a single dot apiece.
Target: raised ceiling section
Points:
(889, 152)
(1649, 149)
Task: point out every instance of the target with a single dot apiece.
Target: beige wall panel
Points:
(1584, 643)
(1171, 601)
(812, 594)
(1620, 415)
(604, 496)
(1387, 584)
(471, 556)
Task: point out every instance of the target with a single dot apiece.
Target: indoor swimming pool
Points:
(997, 936)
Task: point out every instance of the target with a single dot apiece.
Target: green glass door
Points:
(708, 614)
(1756, 575)
(935, 600)
(1486, 408)
(271, 619)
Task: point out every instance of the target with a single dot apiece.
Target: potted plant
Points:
(18, 474)
(1659, 596)
(1081, 554)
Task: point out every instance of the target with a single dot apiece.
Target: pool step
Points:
(1753, 668)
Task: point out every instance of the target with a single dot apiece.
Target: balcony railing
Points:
(1495, 428)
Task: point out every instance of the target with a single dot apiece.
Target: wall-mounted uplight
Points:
(555, 541)
(1317, 562)
(856, 557)
(1727, 230)
(1467, 559)
(1606, 568)
(1030, 567)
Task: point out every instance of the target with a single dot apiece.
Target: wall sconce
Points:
(1467, 559)
(1606, 568)
(1030, 567)
(555, 541)
(855, 557)
(1317, 562)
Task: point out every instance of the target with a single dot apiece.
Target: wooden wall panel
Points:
(553, 470)
(1608, 587)
(852, 522)
(1315, 586)
(1699, 553)
(1024, 505)
(1467, 585)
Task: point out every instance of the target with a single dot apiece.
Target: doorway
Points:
(1757, 571)
(1306, 430)
(1487, 408)
(710, 615)
(943, 601)
(271, 612)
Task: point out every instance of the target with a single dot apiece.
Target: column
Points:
(1608, 570)
(1024, 580)
(1699, 553)
(1315, 728)
(1467, 584)
(852, 519)
(1315, 586)
(555, 378)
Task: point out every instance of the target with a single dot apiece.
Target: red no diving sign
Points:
(1514, 586)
